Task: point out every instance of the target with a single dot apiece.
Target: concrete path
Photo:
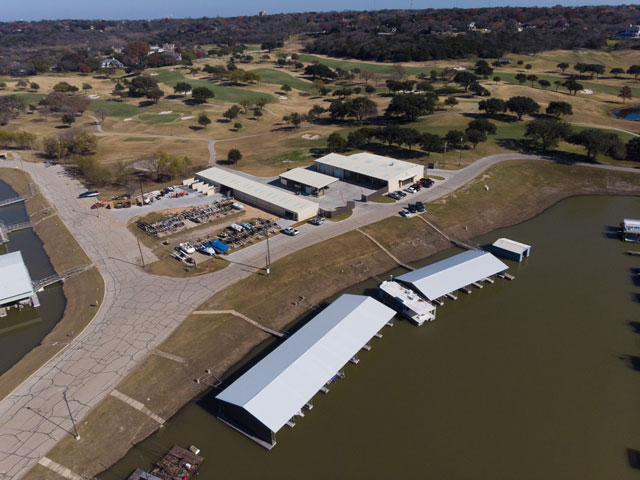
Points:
(139, 311)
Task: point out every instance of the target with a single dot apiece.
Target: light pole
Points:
(444, 157)
(76, 434)
(268, 259)
(460, 159)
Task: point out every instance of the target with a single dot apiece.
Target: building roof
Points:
(280, 384)
(448, 275)
(375, 166)
(511, 245)
(15, 282)
(309, 177)
(272, 195)
(631, 226)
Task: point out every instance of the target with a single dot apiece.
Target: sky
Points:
(11, 10)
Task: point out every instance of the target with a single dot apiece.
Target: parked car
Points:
(400, 193)
(290, 231)
(427, 182)
(247, 226)
(420, 206)
(317, 221)
(417, 186)
(89, 193)
(412, 208)
(206, 250)
(236, 227)
(410, 190)
(187, 248)
(405, 213)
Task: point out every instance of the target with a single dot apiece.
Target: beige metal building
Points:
(259, 195)
(369, 169)
(307, 181)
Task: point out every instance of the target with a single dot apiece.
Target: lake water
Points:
(527, 379)
(632, 113)
(21, 331)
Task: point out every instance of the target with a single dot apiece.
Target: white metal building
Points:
(307, 181)
(370, 169)
(506, 248)
(630, 230)
(15, 282)
(274, 390)
(259, 195)
(453, 273)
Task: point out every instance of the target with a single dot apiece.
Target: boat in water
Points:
(407, 302)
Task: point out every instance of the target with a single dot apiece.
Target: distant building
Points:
(506, 248)
(633, 32)
(15, 282)
(262, 13)
(111, 63)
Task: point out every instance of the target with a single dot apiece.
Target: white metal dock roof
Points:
(375, 166)
(511, 245)
(15, 282)
(260, 191)
(448, 275)
(631, 225)
(309, 177)
(280, 384)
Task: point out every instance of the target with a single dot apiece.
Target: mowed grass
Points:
(140, 139)
(115, 109)
(30, 97)
(380, 68)
(158, 118)
(279, 77)
(596, 87)
(222, 93)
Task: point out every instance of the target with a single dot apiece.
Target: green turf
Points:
(115, 109)
(375, 68)
(140, 139)
(596, 87)
(279, 77)
(28, 98)
(157, 118)
(222, 93)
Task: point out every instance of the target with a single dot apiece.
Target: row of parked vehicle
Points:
(202, 214)
(416, 187)
(412, 208)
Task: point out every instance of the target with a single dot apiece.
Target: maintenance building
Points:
(276, 389)
(307, 181)
(264, 197)
(446, 276)
(506, 248)
(371, 170)
(15, 281)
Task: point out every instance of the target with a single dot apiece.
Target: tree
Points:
(154, 94)
(475, 136)
(320, 70)
(451, 102)
(366, 75)
(455, 138)
(87, 86)
(67, 119)
(336, 142)
(140, 85)
(558, 84)
(597, 141)
(361, 108)
(544, 83)
(431, 142)
(410, 106)
(314, 113)
(286, 88)
(237, 126)
(493, 106)
(369, 89)
(548, 131)
(496, 80)
(572, 86)
(295, 119)
(34, 86)
(182, 88)
(563, 66)
(617, 71)
(203, 120)
(483, 125)
(522, 106)
(557, 109)
(532, 78)
(465, 79)
(101, 114)
(633, 149)
(3, 85)
(625, 93)
(634, 70)
(521, 77)
(528, 66)
(231, 113)
(234, 156)
(343, 92)
(484, 70)
(201, 94)
(409, 137)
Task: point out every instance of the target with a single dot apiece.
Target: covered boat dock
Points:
(510, 249)
(277, 388)
(454, 273)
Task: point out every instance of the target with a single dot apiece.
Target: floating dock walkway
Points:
(12, 200)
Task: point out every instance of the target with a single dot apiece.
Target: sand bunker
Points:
(127, 119)
(282, 97)
(586, 91)
(308, 136)
(166, 112)
(188, 118)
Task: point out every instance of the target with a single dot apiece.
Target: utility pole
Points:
(460, 159)
(76, 434)
(268, 259)
(141, 191)
(141, 255)
(444, 157)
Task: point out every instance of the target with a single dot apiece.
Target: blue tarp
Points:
(219, 246)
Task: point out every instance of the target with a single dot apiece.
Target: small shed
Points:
(510, 249)
(307, 181)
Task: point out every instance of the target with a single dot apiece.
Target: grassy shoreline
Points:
(83, 293)
(303, 280)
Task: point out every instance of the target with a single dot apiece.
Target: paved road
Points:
(139, 310)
